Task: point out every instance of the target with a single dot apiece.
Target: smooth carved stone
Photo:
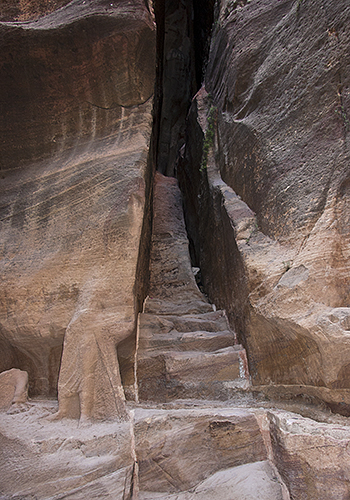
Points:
(13, 388)
(173, 287)
(269, 217)
(184, 351)
(255, 481)
(73, 192)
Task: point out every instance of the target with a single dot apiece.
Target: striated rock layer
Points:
(268, 214)
(76, 98)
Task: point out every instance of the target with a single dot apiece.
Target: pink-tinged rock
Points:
(269, 215)
(13, 388)
(177, 449)
(76, 100)
(312, 457)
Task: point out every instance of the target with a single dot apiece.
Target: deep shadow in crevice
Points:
(183, 34)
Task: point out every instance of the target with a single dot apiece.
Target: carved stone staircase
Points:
(186, 348)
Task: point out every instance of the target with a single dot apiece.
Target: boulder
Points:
(13, 388)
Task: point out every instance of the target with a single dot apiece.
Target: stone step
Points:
(189, 341)
(183, 306)
(213, 321)
(165, 376)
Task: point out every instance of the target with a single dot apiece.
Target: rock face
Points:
(265, 185)
(309, 472)
(276, 199)
(76, 100)
(25, 10)
(178, 451)
(41, 459)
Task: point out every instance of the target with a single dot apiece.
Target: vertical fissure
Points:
(183, 33)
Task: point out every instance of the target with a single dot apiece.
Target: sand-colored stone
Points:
(268, 214)
(271, 211)
(13, 388)
(73, 191)
(178, 449)
(312, 457)
(255, 481)
(186, 348)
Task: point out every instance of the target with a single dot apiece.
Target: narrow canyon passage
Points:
(179, 365)
(168, 390)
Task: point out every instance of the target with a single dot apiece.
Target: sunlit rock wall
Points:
(75, 98)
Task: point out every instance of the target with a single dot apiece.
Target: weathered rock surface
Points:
(268, 226)
(246, 482)
(179, 449)
(312, 457)
(158, 453)
(13, 388)
(76, 104)
(41, 459)
(267, 215)
(185, 349)
(24, 10)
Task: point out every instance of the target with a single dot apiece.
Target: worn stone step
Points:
(178, 449)
(213, 321)
(189, 341)
(185, 305)
(163, 376)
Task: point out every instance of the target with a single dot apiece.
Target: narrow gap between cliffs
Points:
(183, 40)
(182, 49)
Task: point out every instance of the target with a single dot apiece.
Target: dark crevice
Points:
(183, 35)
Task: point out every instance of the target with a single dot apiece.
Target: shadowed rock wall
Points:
(278, 83)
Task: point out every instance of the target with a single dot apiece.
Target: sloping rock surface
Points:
(312, 457)
(185, 349)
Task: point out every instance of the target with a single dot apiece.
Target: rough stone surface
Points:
(312, 458)
(255, 481)
(276, 195)
(24, 10)
(268, 219)
(41, 459)
(13, 388)
(178, 449)
(76, 100)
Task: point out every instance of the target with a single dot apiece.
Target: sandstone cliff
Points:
(174, 354)
(76, 100)
(274, 191)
